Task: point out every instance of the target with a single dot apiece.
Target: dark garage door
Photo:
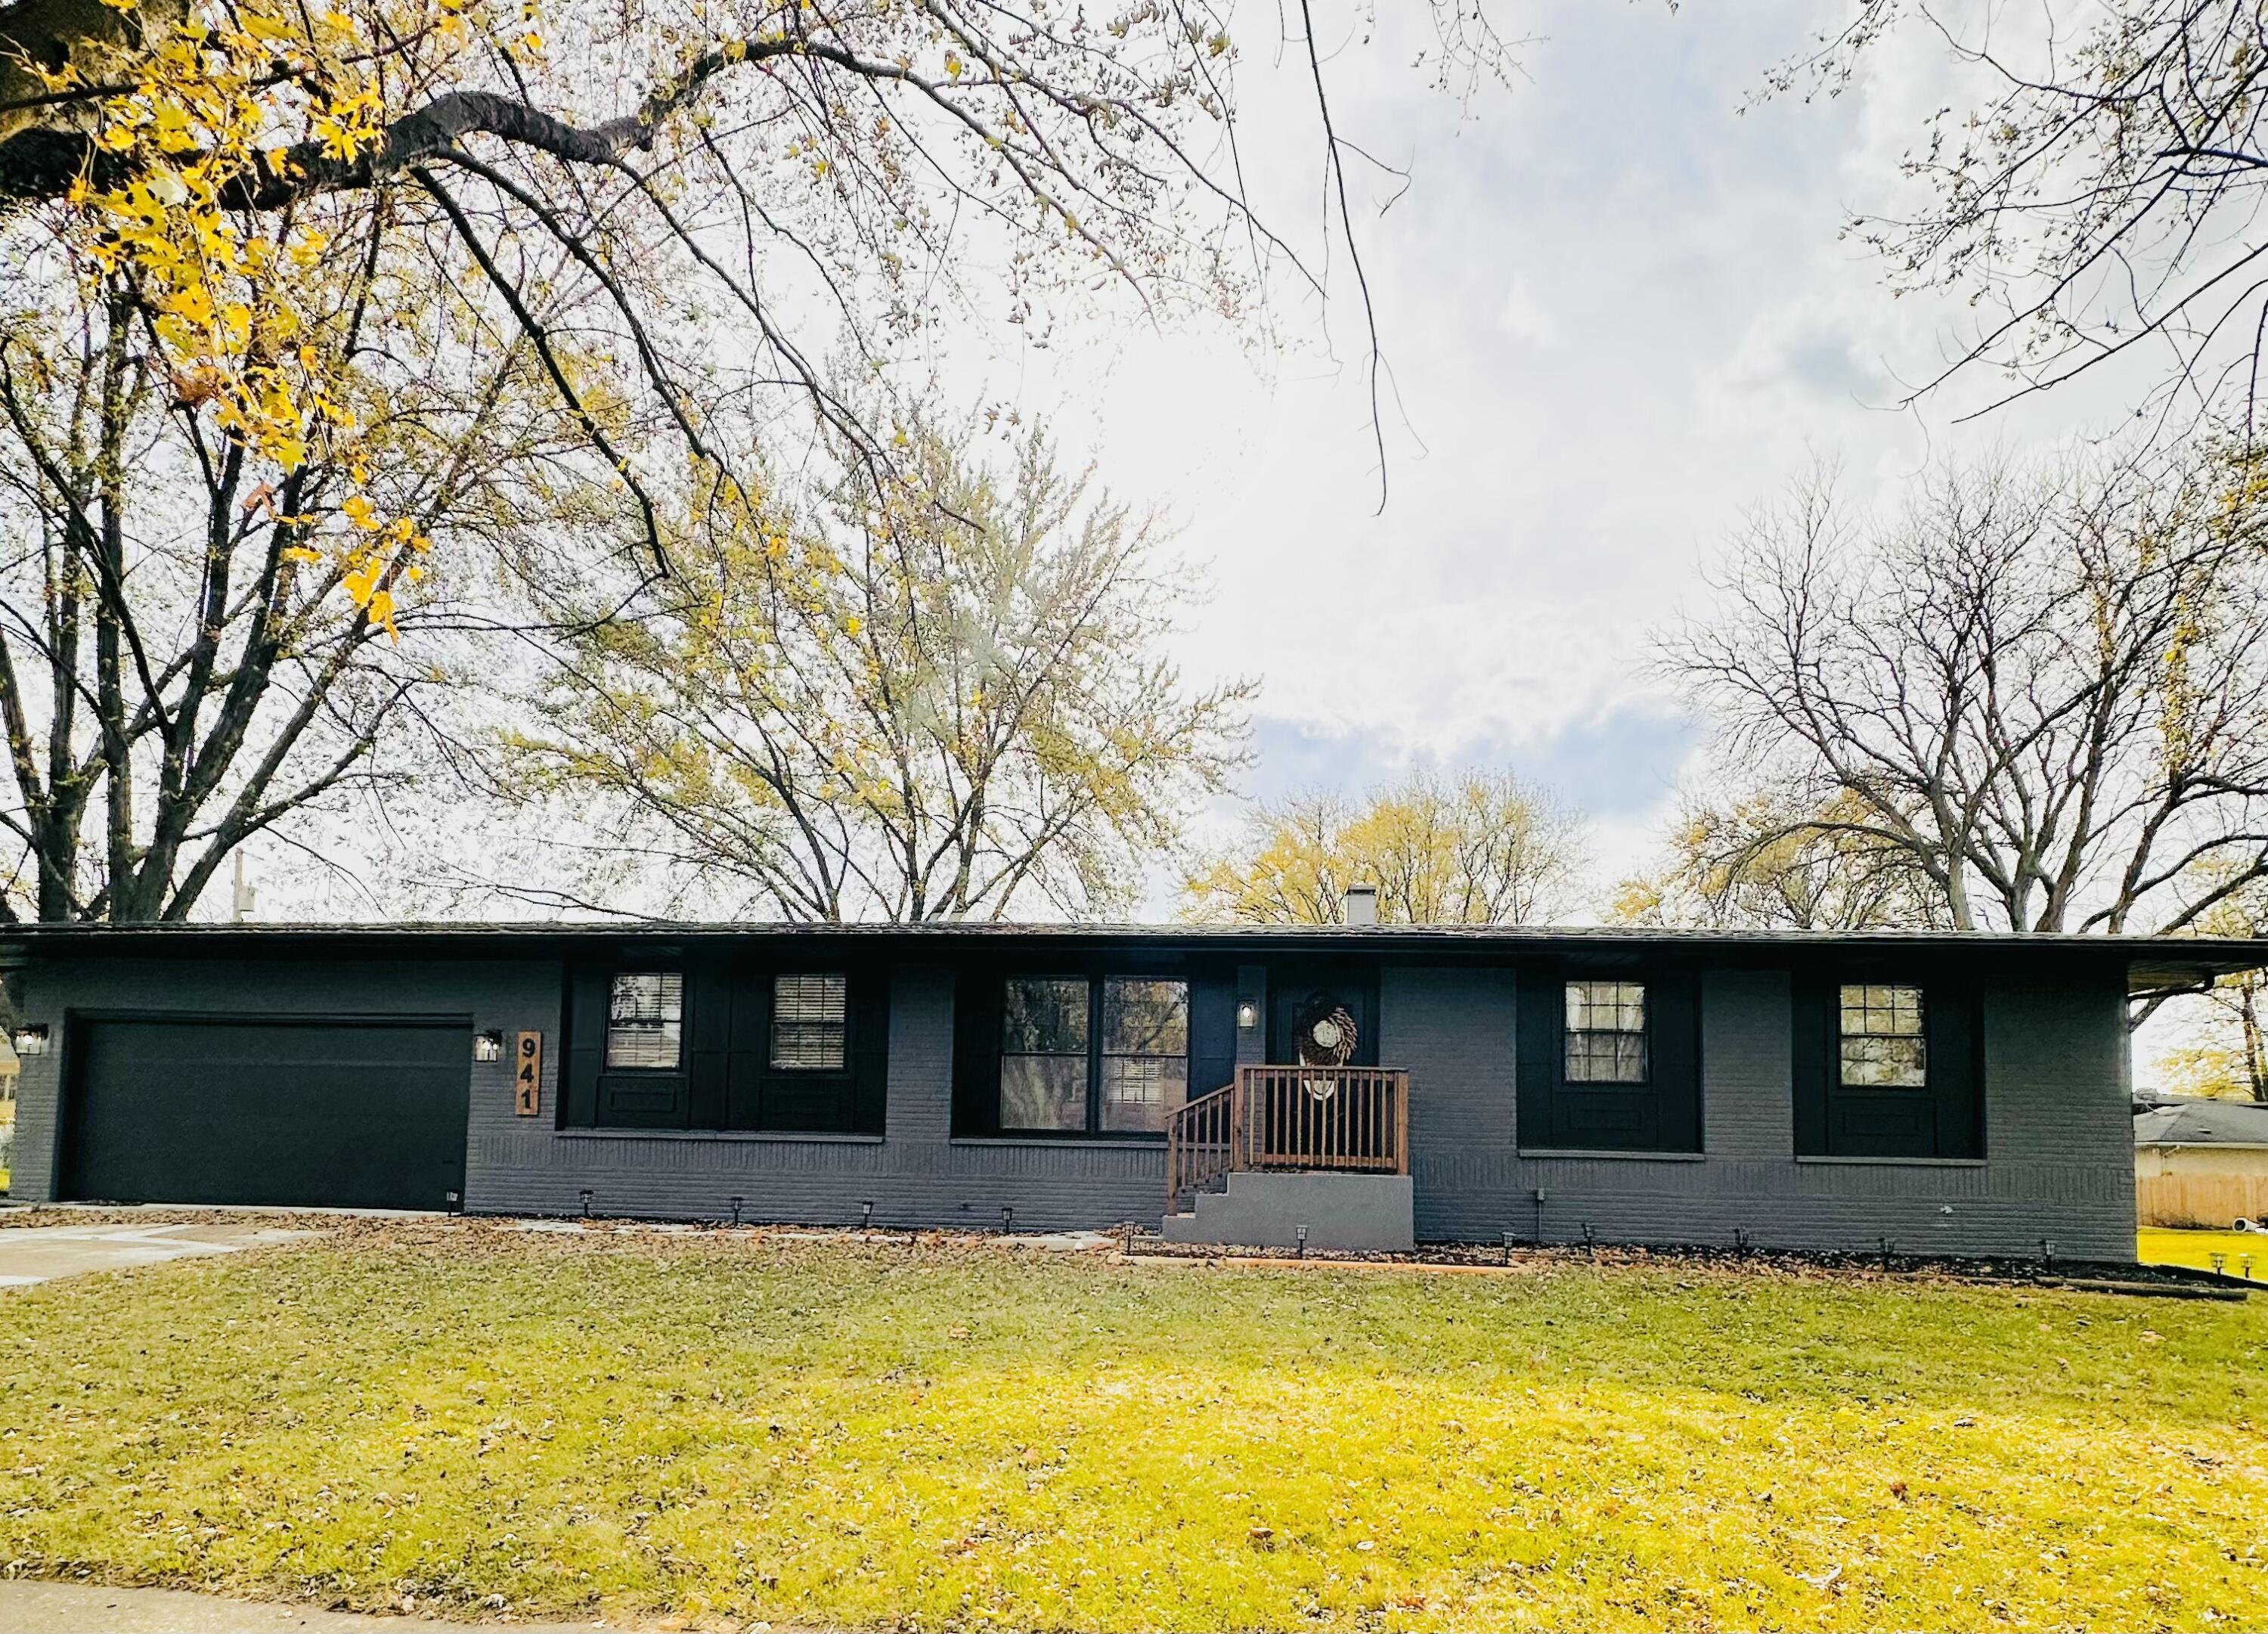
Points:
(344, 1115)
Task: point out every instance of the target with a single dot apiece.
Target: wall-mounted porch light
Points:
(1247, 1015)
(30, 1041)
(488, 1045)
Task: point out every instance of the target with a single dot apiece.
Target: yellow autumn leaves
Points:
(236, 297)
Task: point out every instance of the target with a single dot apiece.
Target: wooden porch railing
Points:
(1355, 1119)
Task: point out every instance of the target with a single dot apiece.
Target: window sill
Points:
(1899, 1163)
(1618, 1154)
(792, 1137)
(1083, 1143)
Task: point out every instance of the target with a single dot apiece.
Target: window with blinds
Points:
(810, 1023)
(646, 1019)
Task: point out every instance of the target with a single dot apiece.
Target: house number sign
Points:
(527, 1075)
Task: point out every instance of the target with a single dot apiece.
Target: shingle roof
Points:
(2202, 1123)
(2152, 963)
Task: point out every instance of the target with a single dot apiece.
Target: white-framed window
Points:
(1606, 1033)
(811, 1017)
(1882, 1045)
(646, 1019)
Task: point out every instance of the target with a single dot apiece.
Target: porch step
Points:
(1264, 1208)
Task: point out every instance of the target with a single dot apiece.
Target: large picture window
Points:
(1606, 1033)
(1043, 1053)
(645, 1020)
(1083, 1055)
(1882, 1041)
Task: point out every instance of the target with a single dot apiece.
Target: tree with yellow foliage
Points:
(1771, 861)
(937, 697)
(1479, 848)
(2224, 1053)
(658, 199)
(286, 259)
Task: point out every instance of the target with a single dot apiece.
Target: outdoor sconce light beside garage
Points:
(1247, 1015)
(30, 1041)
(488, 1045)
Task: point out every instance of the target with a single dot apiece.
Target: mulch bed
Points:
(2173, 1281)
(2177, 1281)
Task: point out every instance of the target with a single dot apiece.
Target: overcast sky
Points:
(1616, 312)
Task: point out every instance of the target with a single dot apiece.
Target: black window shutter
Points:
(1674, 1013)
(1542, 1011)
(1951, 1038)
(1213, 1028)
(1813, 1052)
(751, 1048)
(708, 1037)
(869, 1050)
(977, 1053)
(586, 1046)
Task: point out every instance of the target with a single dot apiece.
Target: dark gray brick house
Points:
(1958, 1094)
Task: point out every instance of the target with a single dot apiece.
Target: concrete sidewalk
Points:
(38, 1607)
(34, 1253)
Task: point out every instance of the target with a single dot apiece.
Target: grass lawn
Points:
(961, 1435)
(2197, 1247)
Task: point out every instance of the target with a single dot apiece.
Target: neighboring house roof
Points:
(2145, 1099)
(2202, 1123)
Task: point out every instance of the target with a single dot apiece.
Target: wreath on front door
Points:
(1327, 1038)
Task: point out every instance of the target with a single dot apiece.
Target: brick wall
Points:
(2058, 1139)
(2058, 1134)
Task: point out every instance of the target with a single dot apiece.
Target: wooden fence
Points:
(2209, 1200)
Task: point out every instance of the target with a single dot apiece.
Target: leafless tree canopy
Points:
(177, 672)
(2045, 687)
(2103, 193)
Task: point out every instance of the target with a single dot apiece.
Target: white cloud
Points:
(1522, 317)
(1616, 312)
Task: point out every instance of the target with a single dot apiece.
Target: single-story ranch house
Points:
(1355, 1085)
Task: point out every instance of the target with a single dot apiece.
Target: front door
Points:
(1329, 996)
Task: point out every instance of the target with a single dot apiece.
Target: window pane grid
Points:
(1606, 1033)
(1044, 1016)
(645, 1015)
(1146, 1043)
(1883, 1042)
(810, 1022)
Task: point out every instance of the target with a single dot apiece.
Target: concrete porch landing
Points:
(1264, 1208)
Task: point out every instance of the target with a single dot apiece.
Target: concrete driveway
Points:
(36, 1608)
(34, 1254)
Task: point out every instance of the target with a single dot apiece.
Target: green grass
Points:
(824, 1433)
(2196, 1248)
